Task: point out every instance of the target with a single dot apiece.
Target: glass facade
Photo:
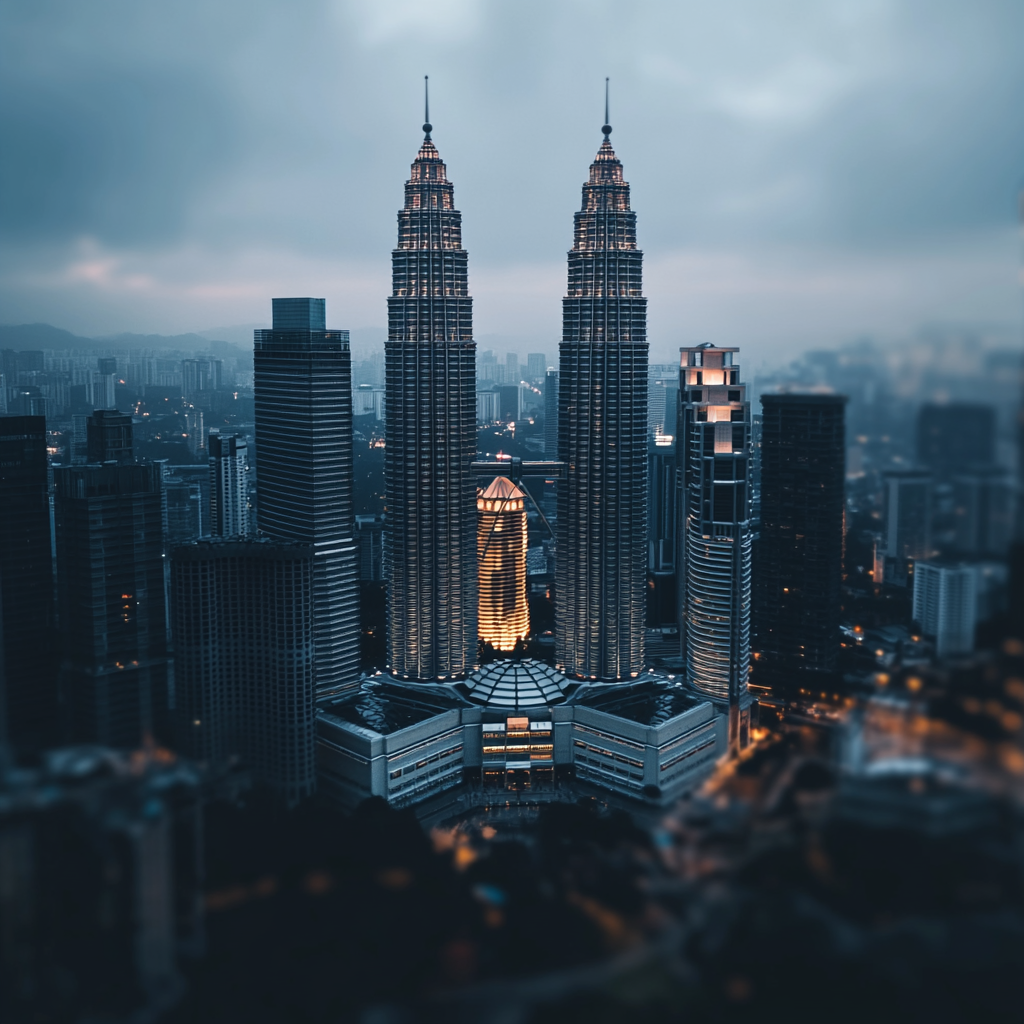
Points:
(303, 390)
(601, 552)
(430, 430)
(714, 464)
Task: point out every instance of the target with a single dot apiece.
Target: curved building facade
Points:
(714, 463)
(430, 428)
(601, 554)
(504, 612)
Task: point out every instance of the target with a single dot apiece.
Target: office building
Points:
(662, 398)
(370, 537)
(109, 437)
(27, 639)
(983, 508)
(110, 577)
(908, 518)
(955, 438)
(714, 466)
(242, 619)
(536, 367)
(662, 531)
(430, 425)
(551, 414)
(229, 489)
(512, 725)
(601, 551)
(303, 391)
(798, 568)
(504, 613)
(945, 605)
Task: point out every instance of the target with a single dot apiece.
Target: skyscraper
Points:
(430, 426)
(798, 568)
(551, 414)
(229, 512)
(956, 438)
(243, 633)
(945, 605)
(908, 508)
(504, 614)
(601, 567)
(662, 530)
(28, 672)
(109, 437)
(303, 390)
(714, 464)
(110, 577)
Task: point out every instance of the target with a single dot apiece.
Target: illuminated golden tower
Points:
(504, 614)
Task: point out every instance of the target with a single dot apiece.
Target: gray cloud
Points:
(188, 143)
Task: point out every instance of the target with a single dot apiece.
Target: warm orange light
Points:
(502, 608)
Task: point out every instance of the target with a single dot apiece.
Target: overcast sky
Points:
(804, 171)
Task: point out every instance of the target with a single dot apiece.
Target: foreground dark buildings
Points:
(430, 423)
(799, 558)
(110, 576)
(26, 585)
(601, 551)
(303, 386)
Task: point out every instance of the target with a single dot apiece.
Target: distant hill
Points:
(46, 336)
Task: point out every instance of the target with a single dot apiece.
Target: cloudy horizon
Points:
(803, 173)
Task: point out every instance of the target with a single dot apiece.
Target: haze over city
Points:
(805, 173)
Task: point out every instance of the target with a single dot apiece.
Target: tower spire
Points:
(606, 127)
(427, 126)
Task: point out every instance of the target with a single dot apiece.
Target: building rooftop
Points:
(649, 702)
(384, 707)
(502, 489)
(516, 684)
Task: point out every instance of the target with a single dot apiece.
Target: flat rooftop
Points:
(385, 707)
(647, 703)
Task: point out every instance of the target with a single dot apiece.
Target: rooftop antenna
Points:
(606, 127)
(427, 126)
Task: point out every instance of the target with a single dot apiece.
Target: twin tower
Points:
(430, 425)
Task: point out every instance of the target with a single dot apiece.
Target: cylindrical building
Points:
(430, 429)
(601, 552)
(504, 612)
(714, 463)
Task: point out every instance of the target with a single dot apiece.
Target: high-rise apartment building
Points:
(945, 605)
(229, 492)
(714, 465)
(430, 425)
(242, 618)
(110, 577)
(200, 375)
(109, 437)
(956, 438)
(601, 551)
(504, 612)
(28, 673)
(303, 390)
(798, 567)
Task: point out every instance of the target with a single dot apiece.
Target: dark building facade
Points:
(110, 576)
(601, 550)
(241, 614)
(662, 529)
(109, 437)
(430, 427)
(28, 677)
(798, 567)
(551, 414)
(956, 438)
(303, 390)
(229, 494)
(714, 470)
